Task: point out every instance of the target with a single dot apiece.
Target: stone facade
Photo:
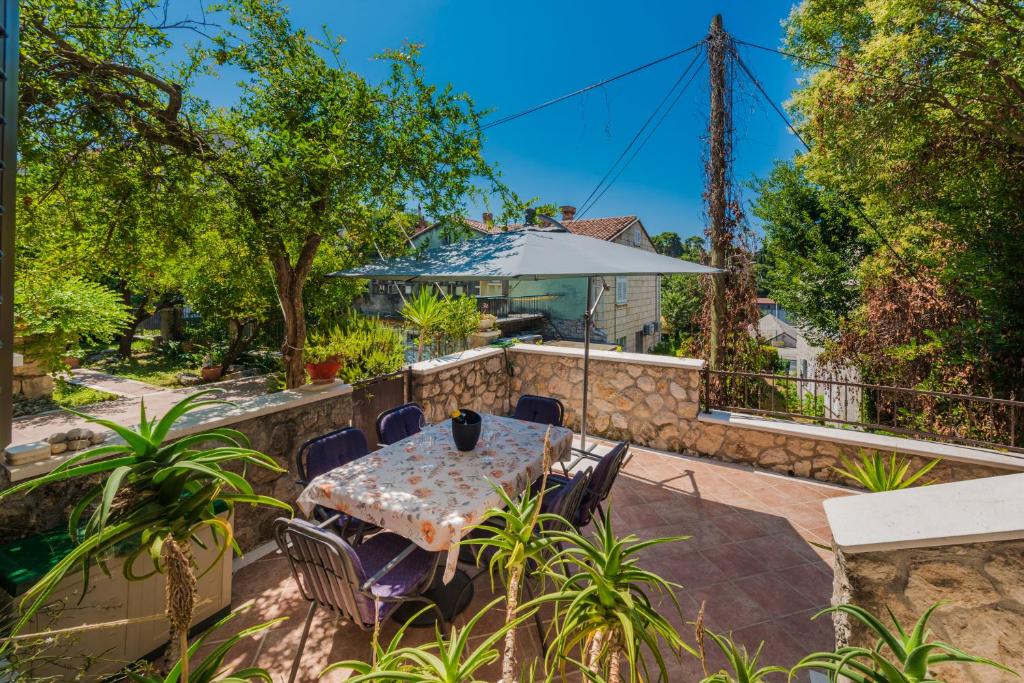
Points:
(278, 432)
(475, 379)
(31, 381)
(981, 584)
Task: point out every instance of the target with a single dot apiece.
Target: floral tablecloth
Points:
(425, 489)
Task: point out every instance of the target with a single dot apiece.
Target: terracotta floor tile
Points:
(732, 561)
(726, 608)
(778, 551)
(774, 595)
(738, 526)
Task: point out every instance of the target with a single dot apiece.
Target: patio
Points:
(750, 559)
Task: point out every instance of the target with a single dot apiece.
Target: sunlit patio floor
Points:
(750, 559)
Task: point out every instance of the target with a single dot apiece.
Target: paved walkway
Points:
(122, 386)
(125, 410)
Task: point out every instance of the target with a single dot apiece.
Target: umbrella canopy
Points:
(525, 254)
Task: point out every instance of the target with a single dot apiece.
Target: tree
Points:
(669, 244)
(682, 296)
(317, 148)
(426, 314)
(812, 250)
(918, 127)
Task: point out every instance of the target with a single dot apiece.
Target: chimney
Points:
(421, 224)
(488, 217)
(568, 213)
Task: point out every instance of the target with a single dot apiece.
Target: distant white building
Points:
(841, 402)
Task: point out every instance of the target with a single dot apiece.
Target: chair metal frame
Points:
(320, 565)
(384, 413)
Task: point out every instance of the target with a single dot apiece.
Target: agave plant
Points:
(426, 313)
(602, 607)
(210, 668)
(744, 666)
(898, 656)
(876, 475)
(510, 534)
(153, 497)
(446, 660)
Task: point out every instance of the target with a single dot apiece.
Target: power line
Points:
(538, 107)
(586, 205)
(650, 134)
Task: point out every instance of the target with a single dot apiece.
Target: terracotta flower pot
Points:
(71, 362)
(321, 373)
(211, 373)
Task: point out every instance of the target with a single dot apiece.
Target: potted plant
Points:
(322, 355)
(487, 321)
(212, 366)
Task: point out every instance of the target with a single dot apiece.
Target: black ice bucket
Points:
(467, 432)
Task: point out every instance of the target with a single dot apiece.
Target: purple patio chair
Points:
(323, 454)
(347, 581)
(540, 409)
(398, 423)
(599, 485)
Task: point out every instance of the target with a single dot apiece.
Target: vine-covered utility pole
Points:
(716, 199)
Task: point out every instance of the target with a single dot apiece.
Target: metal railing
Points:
(954, 418)
(509, 306)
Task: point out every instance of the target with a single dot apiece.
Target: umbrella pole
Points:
(586, 363)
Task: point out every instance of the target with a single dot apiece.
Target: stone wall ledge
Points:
(203, 419)
(880, 442)
(614, 356)
(454, 360)
(974, 511)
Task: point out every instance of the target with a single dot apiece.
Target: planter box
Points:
(97, 652)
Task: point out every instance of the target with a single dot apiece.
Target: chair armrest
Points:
(330, 520)
(386, 569)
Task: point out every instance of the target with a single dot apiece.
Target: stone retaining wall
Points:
(981, 584)
(277, 424)
(476, 379)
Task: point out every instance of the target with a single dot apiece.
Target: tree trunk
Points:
(613, 666)
(594, 656)
(508, 662)
(290, 281)
(716, 188)
(138, 314)
(239, 342)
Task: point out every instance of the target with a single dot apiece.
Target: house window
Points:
(621, 289)
(638, 237)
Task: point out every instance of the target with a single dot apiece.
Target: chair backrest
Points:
(326, 569)
(398, 423)
(328, 451)
(601, 480)
(567, 500)
(540, 409)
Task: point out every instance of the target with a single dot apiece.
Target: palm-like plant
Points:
(154, 497)
(602, 607)
(898, 657)
(209, 670)
(511, 535)
(446, 660)
(876, 475)
(426, 313)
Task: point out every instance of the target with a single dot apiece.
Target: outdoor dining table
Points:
(425, 489)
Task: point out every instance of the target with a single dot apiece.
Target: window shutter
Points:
(621, 289)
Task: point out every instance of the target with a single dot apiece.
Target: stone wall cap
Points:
(879, 442)
(203, 419)
(453, 360)
(615, 356)
(973, 511)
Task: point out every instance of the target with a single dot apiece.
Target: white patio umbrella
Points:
(530, 253)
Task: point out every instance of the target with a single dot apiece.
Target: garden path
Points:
(122, 386)
(125, 410)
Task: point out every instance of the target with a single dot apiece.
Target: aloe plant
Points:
(744, 666)
(510, 532)
(876, 475)
(210, 668)
(898, 657)
(153, 497)
(602, 607)
(446, 660)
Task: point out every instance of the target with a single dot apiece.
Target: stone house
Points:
(629, 312)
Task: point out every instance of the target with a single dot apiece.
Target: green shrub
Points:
(371, 348)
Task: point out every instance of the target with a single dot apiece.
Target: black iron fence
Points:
(955, 418)
(510, 306)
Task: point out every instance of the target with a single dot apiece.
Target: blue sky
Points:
(511, 55)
